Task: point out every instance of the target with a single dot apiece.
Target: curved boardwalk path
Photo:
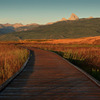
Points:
(48, 77)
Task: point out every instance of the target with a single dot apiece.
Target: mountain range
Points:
(60, 30)
(72, 18)
(72, 27)
(17, 27)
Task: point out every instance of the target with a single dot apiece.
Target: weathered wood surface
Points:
(48, 77)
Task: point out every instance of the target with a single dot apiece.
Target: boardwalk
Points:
(48, 77)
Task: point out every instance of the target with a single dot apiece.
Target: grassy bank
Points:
(11, 60)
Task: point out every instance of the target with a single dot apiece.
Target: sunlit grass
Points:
(11, 60)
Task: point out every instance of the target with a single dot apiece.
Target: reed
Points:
(11, 60)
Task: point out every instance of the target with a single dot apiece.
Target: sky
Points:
(44, 11)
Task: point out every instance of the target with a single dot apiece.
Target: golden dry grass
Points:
(11, 60)
(87, 40)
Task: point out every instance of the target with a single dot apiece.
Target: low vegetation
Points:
(11, 60)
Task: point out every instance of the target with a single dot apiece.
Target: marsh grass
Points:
(11, 60)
